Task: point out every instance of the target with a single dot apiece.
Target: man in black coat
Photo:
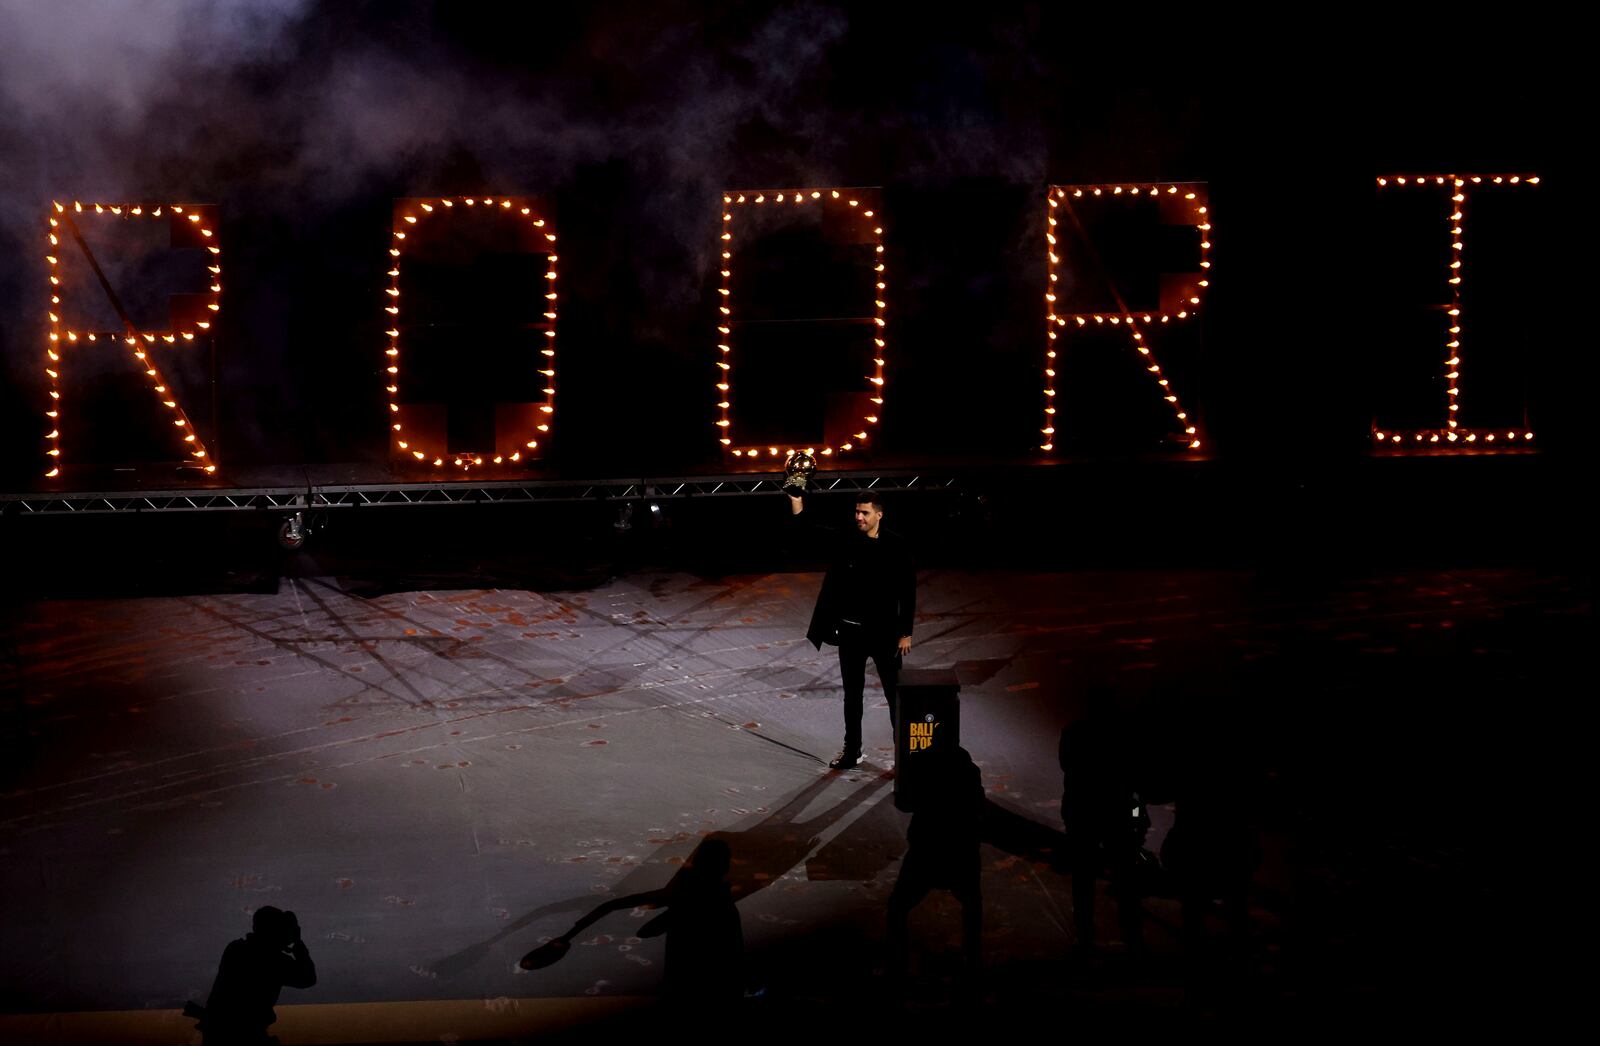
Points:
(867, 602)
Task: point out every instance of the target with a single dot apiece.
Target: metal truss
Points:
(101, 502)
(317, 497)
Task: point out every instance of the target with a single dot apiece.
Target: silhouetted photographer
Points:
(254, 969)
(1105, 821)
(944, 837)
(1212, 851)
(705, 939)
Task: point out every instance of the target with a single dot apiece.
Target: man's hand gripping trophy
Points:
(797, 472)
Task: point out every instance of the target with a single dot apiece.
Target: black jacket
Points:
(884, 566)
(248, 981)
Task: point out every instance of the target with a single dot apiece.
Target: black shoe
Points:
(845, 761)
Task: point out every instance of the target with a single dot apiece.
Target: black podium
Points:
(928, 720)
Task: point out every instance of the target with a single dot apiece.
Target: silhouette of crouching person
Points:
(254, 969)
(705, 938)
(943, 840)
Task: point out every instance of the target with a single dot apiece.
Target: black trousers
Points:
(1088, 854)
(885, 654)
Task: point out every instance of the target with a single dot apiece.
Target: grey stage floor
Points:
(437, 781)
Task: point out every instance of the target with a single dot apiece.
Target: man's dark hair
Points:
(267, 920)
(870, 497)
(712, 858)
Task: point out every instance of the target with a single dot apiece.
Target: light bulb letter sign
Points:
(1454, 434)
(1066, 214)
(443, 238)
(850, 220)
(192, 315)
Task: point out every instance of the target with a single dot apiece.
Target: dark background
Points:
(305, 121)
